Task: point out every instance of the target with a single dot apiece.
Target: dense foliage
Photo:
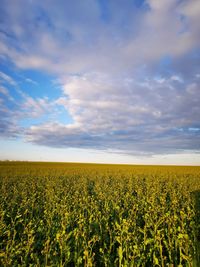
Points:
(55, 214)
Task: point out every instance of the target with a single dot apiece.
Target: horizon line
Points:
(98, 163)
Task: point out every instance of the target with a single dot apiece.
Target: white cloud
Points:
(176, 78)
(7, 79)
(110, 74)
(35, 107)
(4, 91)
(128, 117)
(31, 81)
(71, 45)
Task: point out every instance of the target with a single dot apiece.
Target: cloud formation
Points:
(135, 117)
(129, 77)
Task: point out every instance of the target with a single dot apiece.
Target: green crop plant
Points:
(56, 214)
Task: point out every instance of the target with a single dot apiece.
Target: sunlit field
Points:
(60, 214)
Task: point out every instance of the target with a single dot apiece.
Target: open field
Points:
(57, 214)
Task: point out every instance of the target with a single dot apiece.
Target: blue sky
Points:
(100, 81)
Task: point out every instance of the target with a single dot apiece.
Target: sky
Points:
(108, 81)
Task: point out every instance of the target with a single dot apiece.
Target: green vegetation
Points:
(56, 214)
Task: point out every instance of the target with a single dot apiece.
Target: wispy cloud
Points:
(7, 79)
(31, 81)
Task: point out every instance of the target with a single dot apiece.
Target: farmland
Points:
(65, 214)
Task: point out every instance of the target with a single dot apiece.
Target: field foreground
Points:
(64, 214)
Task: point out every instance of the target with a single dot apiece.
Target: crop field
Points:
(65, 214)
